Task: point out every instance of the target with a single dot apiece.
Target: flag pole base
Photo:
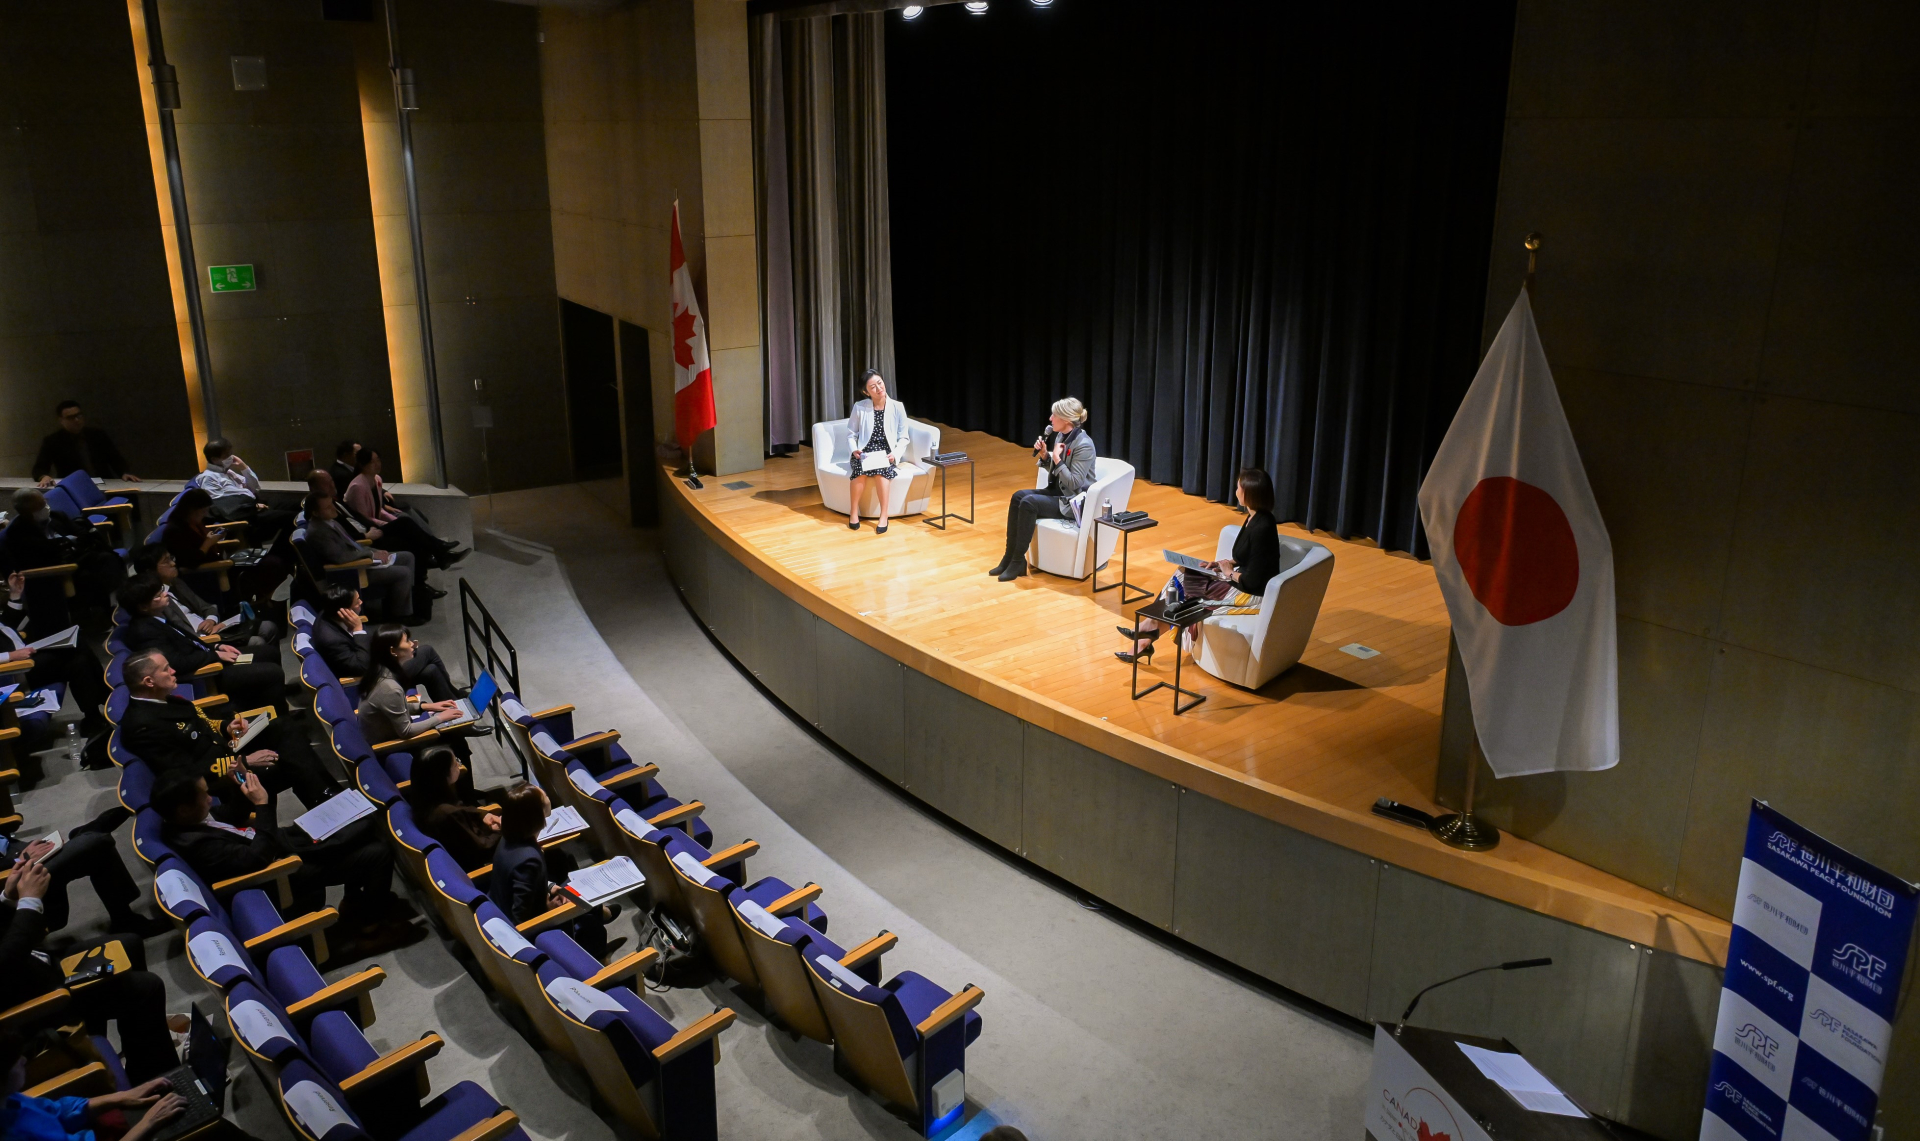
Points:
(1466, 831)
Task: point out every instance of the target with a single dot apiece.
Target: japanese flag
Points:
(1524, 563)
(692, 373)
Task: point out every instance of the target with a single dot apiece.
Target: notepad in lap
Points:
(563, 821)
(65, 638)
(1191, 563)
(873, 461)
(257, 722)
(607, 880)
(338, 812)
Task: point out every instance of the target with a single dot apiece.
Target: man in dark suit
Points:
(136, 999)
(341, 637)
(192, 614)
(167, 732)
(356, 857)
(251, 685)
(342, 467)
(76, 447)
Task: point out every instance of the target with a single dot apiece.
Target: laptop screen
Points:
(483, 693)
(207, 1054)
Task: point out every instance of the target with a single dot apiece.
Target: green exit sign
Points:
(230, 278)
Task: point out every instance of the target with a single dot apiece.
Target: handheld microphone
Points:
(1515, 965)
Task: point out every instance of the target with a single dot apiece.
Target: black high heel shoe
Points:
(1131, 635)
(1131, 658)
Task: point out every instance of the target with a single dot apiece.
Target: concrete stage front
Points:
(1243, 826)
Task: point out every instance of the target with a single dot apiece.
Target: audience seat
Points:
(905, 1041)
(319, 1111)
(659, 1081)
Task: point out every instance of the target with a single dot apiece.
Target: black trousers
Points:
(298, 768)
(406, 534)
(427, 669)
(137, 1000)
(1029, 506)
(357, 857)
(77, 667)
(96, 858)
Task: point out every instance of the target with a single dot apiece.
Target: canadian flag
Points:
(1525, 566)
(692, 371)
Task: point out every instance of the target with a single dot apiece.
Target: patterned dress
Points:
(875, 443)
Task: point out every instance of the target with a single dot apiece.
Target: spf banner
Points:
(1813, 974)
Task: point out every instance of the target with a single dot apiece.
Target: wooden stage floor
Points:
(1311, 750)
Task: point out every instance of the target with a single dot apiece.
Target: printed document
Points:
(564, 821)
(338, 812)
(1526, 1085)
(1191, 563)
(607, 880)
(65, 638)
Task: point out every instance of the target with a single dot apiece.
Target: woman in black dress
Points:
(1256, 559)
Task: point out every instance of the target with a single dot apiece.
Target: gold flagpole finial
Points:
(1532, 243)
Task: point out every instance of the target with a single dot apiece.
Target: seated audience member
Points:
(134, 999)
(344, 453)
(384, 714)
(76, 447)
(250, 685)
(168, 732)
(194, 544)
(446, 807)
(24, 1118)
(91, 854)
(75, 665)
(341, 637)
(356, 857)
(520, 883)
(235, 489)
(390, 579)
(400, 533)
(367, 496)
(39, 536)
(191, 614)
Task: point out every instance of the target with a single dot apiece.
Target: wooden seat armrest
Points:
(954, 1008)
(870, 950)
(228, 544)
(9, 733)
(548, 919)
(357, 564)
(411, 1056)
(21, 1015)
(210, 699)
(795, 900)
(492, 1129)
(385, 747)
(364, 542)
(694, 1035)
(110, 506)
(90, 1080)
(593, 741)
(8, 776)
(311, 923)
(281, 870)
(102, 522)
(52, 569)
(355, 985)
(625, 967)
(210, 639)
(9, 823)
(213, 526)
(210, 669)
(686, 811)
(621, 780)
(554, 712)
(215, 565)
(19, 667)
(477, 874)
(726, 856)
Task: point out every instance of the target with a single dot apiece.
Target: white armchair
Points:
(910, 489)
(1060, 547)
(1250, 650)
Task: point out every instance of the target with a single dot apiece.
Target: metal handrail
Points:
(489, 659)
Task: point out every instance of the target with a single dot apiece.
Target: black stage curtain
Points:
(1243, 233)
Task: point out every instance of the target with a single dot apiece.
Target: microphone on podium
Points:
(1515, 965)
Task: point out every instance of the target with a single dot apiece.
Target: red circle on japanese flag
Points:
(1517, 551)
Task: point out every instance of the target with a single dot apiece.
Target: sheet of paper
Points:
(339, 811)
(1188, 561)
(255, 726)
(54, 838)
(578, 999)
(839, 976)
(316, 1109)
(1528, 1086)
(548, 747)
(514, 710)
(505, 936)
(872, 461)
(39, 701)
(231, 622)
(633, 822)
(255, 1024)
(303, 644)
(763, 921)
(693, 869)
(583, 780)
(300, 614)
(563, 821)
(177, 890)
(606, 880)
(68, 637)
(213, 952)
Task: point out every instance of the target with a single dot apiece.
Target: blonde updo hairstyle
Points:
(1070, 408)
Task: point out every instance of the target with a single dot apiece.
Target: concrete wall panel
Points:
(1101, 824)
(863, 706)
(787, 642)
(965, 758)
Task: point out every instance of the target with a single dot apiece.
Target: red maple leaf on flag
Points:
(683, 338)
(1432, 1134)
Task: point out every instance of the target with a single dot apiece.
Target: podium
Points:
(1425, 1088)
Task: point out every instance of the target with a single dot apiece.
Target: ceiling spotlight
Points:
(1043, 3)
(977, 7)
(911, 12)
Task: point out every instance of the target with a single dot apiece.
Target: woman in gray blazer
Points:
(876, 441)
(1065, 454)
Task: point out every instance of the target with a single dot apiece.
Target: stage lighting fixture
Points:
(977, 7)
(911, 12)
(1043, 3)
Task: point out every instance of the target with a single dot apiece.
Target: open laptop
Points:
(202, 1082)
(474, 706)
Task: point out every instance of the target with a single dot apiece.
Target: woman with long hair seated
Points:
(448, 808)
(385, 713)
(1242, 578)
(521, 883)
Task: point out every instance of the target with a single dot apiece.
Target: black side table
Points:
(1126, 535)
(940, 519)
(1158, 612)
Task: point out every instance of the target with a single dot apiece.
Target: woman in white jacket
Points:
(876, 441)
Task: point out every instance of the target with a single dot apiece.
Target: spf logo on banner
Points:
(1813, 976)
